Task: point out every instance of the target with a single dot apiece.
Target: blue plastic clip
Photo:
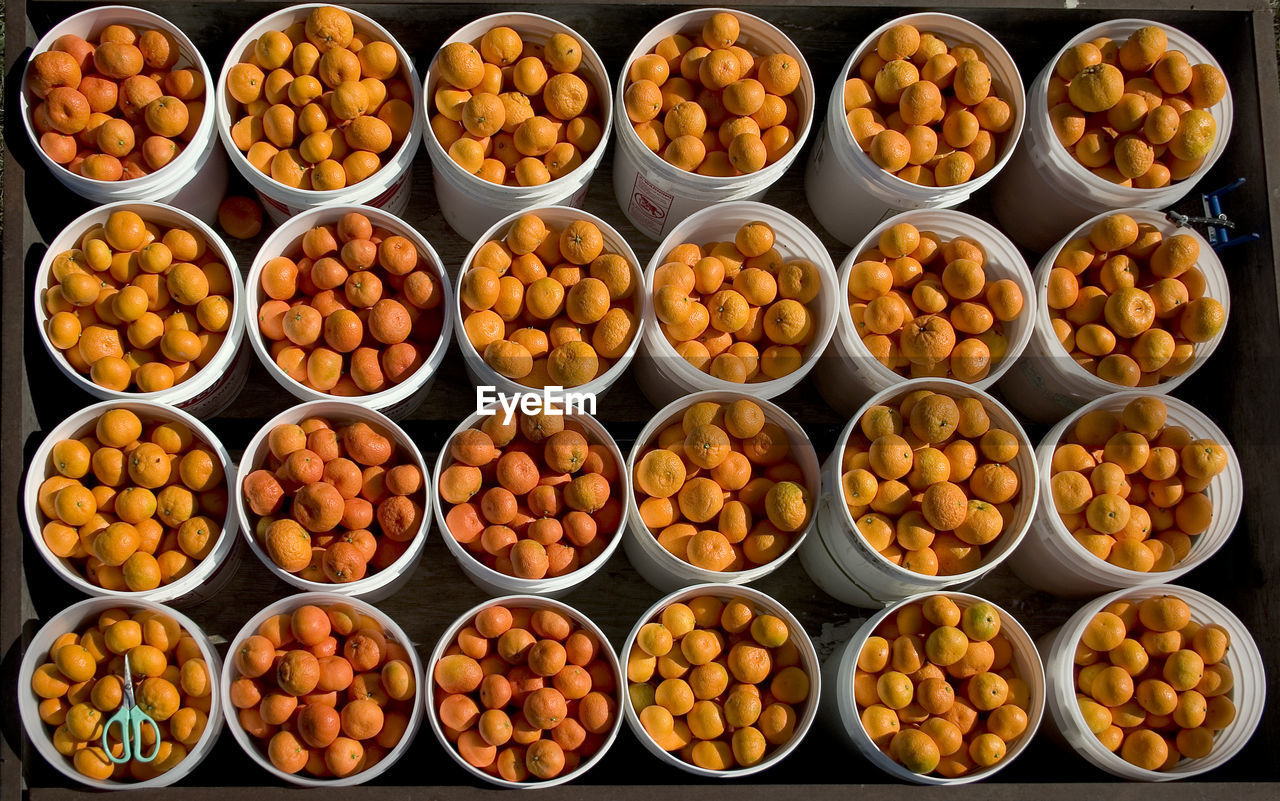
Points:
(1217, 222)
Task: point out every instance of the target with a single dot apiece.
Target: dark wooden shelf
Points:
(1236, 388)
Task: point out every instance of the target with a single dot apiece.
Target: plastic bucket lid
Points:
(71, 619)
(1051, 560)
(256, 749)
(850, 372)
(374, 586)
(838, 165)
(808, 659)
(666, 571)
(841, 561)
(840, 707)
(655, 195)
(388, 187)
(471, 204)
(526, 602)
(1243, 658)
(496, 583)
(398, 400)
(663, 374)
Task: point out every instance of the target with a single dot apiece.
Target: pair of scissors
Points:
(130, 719)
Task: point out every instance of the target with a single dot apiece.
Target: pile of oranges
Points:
(334, 503)
(706, 104)
(117, 109)
(936, 688)
(929, 483)
(524, 694)
(924, 111)
(82, 685)
(913, 296)
(138, 304)
(133, 506)
(353, 310)
(738, 310)
(513, 111)
(1135, 112)
(547, 308)
(319, 105)
(327, 689)
(529, 495)
(1151, 683)
(1131, 489)
(1129, 304)
(719, 682)
(721, 488)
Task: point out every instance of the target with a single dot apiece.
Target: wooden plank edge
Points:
(13, 641)
(1083, 5)
(1268, 99)
(732, 791)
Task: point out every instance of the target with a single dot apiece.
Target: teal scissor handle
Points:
(130, 720)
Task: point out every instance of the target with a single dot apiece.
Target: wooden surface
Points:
(1245, 574)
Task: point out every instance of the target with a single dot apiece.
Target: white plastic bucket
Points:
(1244, 660)
(840, 710)
(848, 192)
(396, 402)
(388, 188)
(663, 569)
(1046, 383)
(84, 613)
(495, 583)
(207, 577)
(534, 602)
(375, 586)
(848, 374)
(195, 181)
(471, 204)
(1051, 560)
(256, 749)
(214, 386)
(657, 196)
(1045, 191)
(663, 375)
(556, 217)
(808, 659)
(841, 561)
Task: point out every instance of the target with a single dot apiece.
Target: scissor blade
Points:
(128, 684)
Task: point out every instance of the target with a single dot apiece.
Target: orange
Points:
(1145, 749)
(52, 69)
(890, 150)
(581, 242)
(563, 53)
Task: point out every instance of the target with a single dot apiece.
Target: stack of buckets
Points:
(853, 199)
(196, 180)
(470, 204)
(389, 188)
(657, 196)
(837, 166)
